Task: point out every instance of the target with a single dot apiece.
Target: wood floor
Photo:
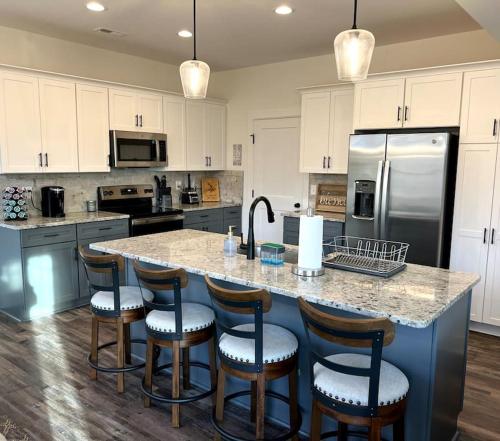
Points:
(45, 393)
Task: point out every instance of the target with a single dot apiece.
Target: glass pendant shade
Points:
(194, 78)
(353, 53)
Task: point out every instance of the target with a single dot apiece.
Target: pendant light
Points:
(353, 51)
(194, 73)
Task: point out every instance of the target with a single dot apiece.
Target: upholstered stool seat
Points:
(130, 298)
(351, 389)
(278, 344)
(194, 318)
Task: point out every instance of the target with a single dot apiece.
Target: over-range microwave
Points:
(137, 149)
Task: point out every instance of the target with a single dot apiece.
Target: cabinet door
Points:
(59, 128)
(93, 128)
(472, 216)
(480, 106)
(123, 110)
(20, 134)
(341, 110)
(433, 101)
(378, 104)
(174, 117)
(195, 130)
(491, 312)
(215, 132)
(314, 132)
(50, 278)
(150, 109)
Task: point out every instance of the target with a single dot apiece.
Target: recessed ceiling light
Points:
(283, 10)
(185, 33)
(95, 7)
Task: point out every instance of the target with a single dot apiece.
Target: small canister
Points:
(91, 206)
(272, 254)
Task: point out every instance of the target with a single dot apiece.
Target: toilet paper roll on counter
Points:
(310, 242)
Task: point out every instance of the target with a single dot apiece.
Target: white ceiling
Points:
(233, 33)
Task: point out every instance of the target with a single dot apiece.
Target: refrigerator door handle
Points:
(383, 214)
(376, 209)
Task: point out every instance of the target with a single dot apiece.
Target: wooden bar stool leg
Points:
(253, 401)
(399, 429)
(212, 361)
(294, 405)
(128, 349)
(148, 378)
(374, 432)
(342, 431)
(186, 384)
(315, 422)
(260, 411)
(219, 406)
(94, 343)
(176, 359)
(120, 354)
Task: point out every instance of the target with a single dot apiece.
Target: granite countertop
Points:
(327, 216)
(206, 206)
(37, 221)
(415, 297)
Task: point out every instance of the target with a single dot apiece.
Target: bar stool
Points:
(175, 326)
(356, 389)
(114, 304)
(255, 352)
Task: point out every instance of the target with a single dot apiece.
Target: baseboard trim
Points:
(484, 328)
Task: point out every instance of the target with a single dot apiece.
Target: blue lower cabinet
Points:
(214, 220)
(291, 227)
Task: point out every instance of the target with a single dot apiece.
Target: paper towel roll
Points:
(310, 242)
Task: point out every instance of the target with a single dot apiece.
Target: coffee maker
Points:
(52, 201)
(189, 195)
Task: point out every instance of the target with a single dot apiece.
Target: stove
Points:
(137, 202)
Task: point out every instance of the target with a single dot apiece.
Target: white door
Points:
(149, 108)
(20, 135)
(341, 110)
(378, 104)
(433, 100)
(315, 132)
(472, 216)
(197, 159)
(174, 117)
(276, 174)
(93, 128)
(215, 127)
(59, 128)
(480, 107)
(123, 111)
(491, 312)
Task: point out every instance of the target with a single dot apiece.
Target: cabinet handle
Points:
(329, 159)
(210, 161)
(407, 110)
(51, 235)
(105, 228)
(206, 161)
(46, 159)
(140, 119)
(137, 120)
(493, 236)
(399, 113)
(324, 161)
(495, 122)
(40, 160)
(484, 235)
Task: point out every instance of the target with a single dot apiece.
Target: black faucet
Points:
(270, 219)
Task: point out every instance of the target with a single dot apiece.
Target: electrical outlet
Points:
(314, 189)
(178, 185)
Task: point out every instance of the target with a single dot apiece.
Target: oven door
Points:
(159, 224)
(135, 149)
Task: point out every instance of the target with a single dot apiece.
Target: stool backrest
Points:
(163, 280)
(254, 302)
(358, 333)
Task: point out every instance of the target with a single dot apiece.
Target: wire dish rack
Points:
(369, 256)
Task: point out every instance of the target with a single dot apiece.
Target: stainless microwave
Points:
(137, 149)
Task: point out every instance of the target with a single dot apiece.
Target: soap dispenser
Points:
(230, 244)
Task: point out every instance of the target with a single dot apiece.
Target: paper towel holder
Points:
(305, 272)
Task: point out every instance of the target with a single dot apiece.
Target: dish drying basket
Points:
(368, 256)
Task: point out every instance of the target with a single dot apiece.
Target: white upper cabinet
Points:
(378, 104)
(59, 127)
(472, 216)
(480, 107)
(195, 140)
(20, 133)
(174, 114)
(215, 128)
(93, 128)
(326, 123)
(133, 111)
(433, 100)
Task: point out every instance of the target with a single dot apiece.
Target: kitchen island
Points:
(429, 306)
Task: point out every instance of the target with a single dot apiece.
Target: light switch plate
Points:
(178, 185)
(314, 189)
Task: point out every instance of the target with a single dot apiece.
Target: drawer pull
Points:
(105, 228)
(203, 215)
(51, 235)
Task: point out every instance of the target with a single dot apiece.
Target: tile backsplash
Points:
(81, 187)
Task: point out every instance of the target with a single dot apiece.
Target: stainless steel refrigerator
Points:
(401, 188)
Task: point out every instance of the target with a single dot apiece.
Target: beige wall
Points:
(21, 48)
(273, 86)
